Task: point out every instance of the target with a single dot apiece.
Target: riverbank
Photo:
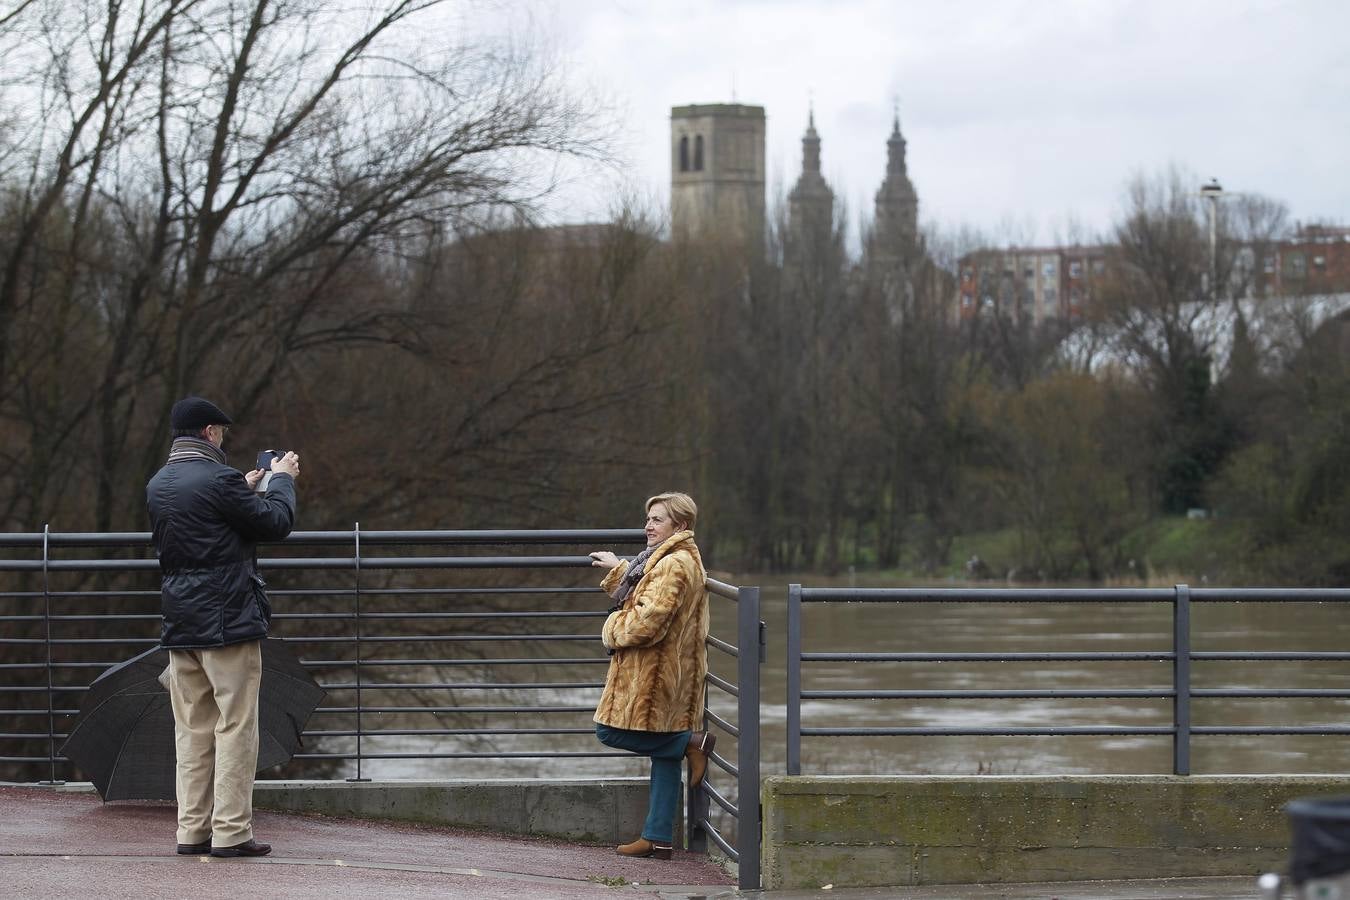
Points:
(1159, 553)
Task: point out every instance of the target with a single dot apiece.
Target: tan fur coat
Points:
(655, 679)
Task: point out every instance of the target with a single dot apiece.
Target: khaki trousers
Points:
(215, 713)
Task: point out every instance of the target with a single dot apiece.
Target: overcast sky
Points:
(1024, 117)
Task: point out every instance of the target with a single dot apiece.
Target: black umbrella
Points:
(123, 737)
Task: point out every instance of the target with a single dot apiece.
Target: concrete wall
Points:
(610, 811)
(913, 830)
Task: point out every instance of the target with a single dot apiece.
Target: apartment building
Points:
(1029, 283)
(1316, 260)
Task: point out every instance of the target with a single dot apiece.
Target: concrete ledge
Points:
(916, 830)
(610, 811)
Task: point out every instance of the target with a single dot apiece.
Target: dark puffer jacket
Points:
(206, 521)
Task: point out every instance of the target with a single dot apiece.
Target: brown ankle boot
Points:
(698, 750)
(643, 848)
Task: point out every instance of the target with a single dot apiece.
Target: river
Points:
(979, 628)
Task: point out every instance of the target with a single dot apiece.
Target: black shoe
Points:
(249, 847)
(195, 849)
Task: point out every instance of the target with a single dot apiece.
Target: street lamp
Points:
(1212, 192)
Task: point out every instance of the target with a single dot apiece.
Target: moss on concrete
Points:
(866, 831)
(607, 812)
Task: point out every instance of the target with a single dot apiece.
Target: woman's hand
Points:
(604, 559)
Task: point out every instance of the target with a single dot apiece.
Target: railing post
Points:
(47, 622)
(356, 531)
(794, 679)
(697, 803)
(750, 640)
(1181, 681)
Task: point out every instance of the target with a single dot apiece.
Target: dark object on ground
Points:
(1321, 839)
(123, 737)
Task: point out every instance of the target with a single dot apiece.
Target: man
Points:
(206, 519)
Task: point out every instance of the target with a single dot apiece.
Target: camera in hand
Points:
(265, 460)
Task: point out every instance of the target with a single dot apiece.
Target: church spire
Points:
(897, 204)
(811, 145)
(895, 148)
(810, 202)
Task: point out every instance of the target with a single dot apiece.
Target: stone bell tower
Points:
(717, 174)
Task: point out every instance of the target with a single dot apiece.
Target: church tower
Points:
(811, 202)
(717, 174)
(896, 229)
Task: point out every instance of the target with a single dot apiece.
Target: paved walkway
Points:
(55, 843)
(65, 844)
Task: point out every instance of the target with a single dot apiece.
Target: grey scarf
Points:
(631, 577)
(195, 448)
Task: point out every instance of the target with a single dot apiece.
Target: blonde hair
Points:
(681, 507)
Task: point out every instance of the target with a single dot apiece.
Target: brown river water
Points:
(980, 628)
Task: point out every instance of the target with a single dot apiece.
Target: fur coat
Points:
(655, 678)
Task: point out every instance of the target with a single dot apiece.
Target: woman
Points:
(656, 633)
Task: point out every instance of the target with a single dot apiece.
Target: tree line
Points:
(324, 223)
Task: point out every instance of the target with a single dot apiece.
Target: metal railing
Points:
(374, 629)
(748, 653)
(1180, 654)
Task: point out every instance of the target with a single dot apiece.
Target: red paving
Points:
(60, 844)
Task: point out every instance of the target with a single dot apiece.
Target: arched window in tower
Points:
(698, 153)
(684, 153)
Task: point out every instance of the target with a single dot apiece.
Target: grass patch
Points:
(1176, 549)
(1164, 551)
(998, 550)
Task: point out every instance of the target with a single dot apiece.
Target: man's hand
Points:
(290, 464)
(252, 478)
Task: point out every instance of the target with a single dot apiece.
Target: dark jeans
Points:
(666, 748)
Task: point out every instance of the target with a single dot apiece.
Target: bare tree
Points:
(915, 390)
(1169, 304)
(253, 162)
(1059, 476)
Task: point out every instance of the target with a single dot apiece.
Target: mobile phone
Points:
(267, 457)
(265, 460)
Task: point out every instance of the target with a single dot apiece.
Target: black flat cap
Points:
(195, 413)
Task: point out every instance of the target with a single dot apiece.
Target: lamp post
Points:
(1212, 192)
